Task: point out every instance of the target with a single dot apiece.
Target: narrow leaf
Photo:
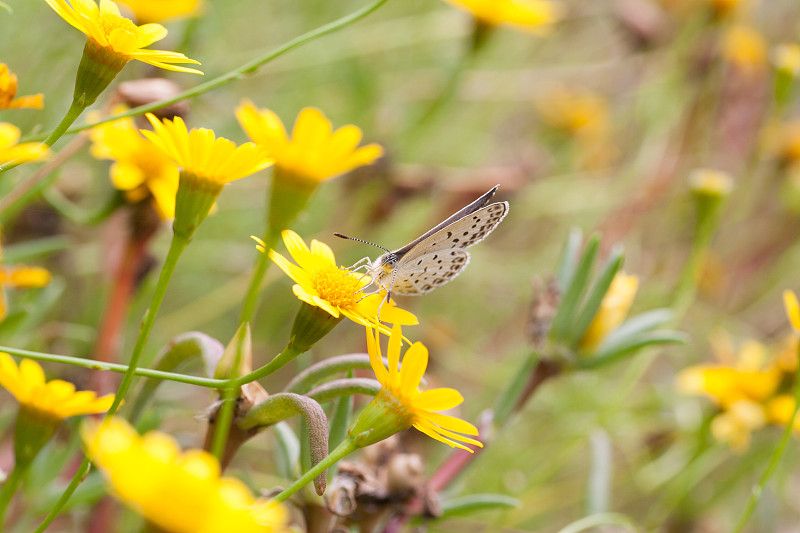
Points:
(568, 309)
(477, 502)
(569, 258)
(596, 294)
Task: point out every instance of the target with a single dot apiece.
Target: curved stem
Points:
(278, 362)
(346, 447)
(72, 115)
(248, 68)
(10, 488)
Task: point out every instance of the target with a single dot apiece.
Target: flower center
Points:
(109, 22)
(337, 287)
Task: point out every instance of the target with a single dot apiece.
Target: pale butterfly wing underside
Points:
(438, 256)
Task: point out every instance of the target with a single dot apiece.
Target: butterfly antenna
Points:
(360, 240)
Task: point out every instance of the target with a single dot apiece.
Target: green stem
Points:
(115, 367)
(251, 298)
(176, 247)
(248, 68)
(77, 479)
(72, 115)
(222, 423)
(10, 488)
(346, 447)
(278, 362)
(774, 460)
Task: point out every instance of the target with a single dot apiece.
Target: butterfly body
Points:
(439, 255)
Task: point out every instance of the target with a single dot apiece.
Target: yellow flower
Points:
(22, 277)
(11, 151)
(179, 492)
(118, 36)
(8, 92)
(786, 58)
(337, 291)
(613, 310)
(579, 113)
(199, 152)
(139, 168)
(400, 404)
(744, 48)
(742, 377)
(530, 15)
(51, 400)
(735, 425)
(315, 152)
(161, 10)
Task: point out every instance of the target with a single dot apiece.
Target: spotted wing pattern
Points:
(462, 233)
(428, 271)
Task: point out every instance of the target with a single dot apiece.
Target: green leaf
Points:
(340, 422)
(596, 294)
(477, 502)
(511, 394)
(25, 251)
(305, 380)
(569, 258)
(6, 7)
(634, 344)
(344, 387)
(634, 326)
(568, 308)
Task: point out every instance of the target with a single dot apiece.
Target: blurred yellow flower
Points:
(400, 404)
(577, 113)
(337, 291)
(744, 48)
(792, 309)
(161, 10)
(139, 169)
(786, 58)
(735, 425)
(531, 15)
(48, 400)
(178, 492)
(215, 161)
(8, 92)
(115, 38)
(315, 152)
(709, 182)
(11, 151)
(613, 310)
(21, 277)
(726, 7)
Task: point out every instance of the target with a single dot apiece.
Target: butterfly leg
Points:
(361, 263)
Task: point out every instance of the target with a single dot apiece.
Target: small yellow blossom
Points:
(8, 92)
(139, 169)
(52, 400)
(21, 277)
(315, 152)
(613, 310)
(337, 291)
(530, 15)
(161, 10)
(400, 404)
(19, 153)
(709, 182)
(744, 48)
(179, 492)
(786, 58)
(200, 153)
(117, 36)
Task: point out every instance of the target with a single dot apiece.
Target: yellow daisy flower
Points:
(530, 15)
(321, 283)
(400, 404)
(139, 168)
(179, 492)
(213, 160)
(8, 92)
(613, 310)
(51, 400)
(11, 151)
(744, 48)
(111, 33)
(161, 10)
(315, 152)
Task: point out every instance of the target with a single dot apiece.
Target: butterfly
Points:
(438, 255)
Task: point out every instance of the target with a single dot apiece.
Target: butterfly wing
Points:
(460, 214)
(429, 271)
